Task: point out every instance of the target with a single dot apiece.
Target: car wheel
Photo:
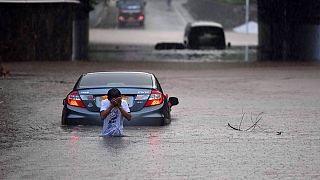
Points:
(64, 120)
(162, 123)
(167, 121)
(167, 116)
(141, 23)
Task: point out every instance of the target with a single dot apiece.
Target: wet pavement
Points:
(214, 88)
(198, 144)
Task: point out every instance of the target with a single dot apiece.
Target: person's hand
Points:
(118, 101)
(114, 102)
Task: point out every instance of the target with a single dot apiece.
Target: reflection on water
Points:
(115, 143)
(74, 149)
(154, 140)
(75, 137)
(132, 136)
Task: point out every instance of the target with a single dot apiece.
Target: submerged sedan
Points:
(142, 91)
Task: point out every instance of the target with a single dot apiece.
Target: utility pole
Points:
(246, 58)
(247, 15)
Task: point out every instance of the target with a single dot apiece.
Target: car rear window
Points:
(143, 80)
(198, 31)
(207, 37)
(130, 5)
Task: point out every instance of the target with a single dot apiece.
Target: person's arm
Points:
(104, 113)
(126, 114)
(124, 109)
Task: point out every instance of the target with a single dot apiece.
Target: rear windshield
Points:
(130, 5)
(92, 80)
(214, 31)
(210, 37)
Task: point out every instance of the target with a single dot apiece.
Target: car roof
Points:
(119, 72)
(205, 23)
(116, 79)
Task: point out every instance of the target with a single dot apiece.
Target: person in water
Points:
(113, 111)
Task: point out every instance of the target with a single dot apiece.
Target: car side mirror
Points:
(173, 101)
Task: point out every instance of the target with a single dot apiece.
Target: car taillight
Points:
(121, 18)
(155, 98)
(141, 18)
(75, 100)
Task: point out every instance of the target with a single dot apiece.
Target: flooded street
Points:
(275, 106)
(198, 144)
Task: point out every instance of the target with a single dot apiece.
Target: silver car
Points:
(142, 91)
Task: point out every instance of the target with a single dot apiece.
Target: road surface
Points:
(198, 144)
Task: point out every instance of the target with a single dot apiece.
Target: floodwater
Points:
(198, 144)
(147, 53)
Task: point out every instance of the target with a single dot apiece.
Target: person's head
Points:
(113, 93)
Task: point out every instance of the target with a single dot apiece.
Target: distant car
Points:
(131, 12)
(204, 35)
(147, 102)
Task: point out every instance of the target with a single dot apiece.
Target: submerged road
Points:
(163, 24)
(198, 144)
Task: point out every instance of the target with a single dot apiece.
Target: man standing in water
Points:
(113, 111)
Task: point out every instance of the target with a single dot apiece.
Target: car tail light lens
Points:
(155, 98)
(141, 18)
(75, 100)
(121, 18)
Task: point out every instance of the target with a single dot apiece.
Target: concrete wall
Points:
(289, 30)
(36, 31)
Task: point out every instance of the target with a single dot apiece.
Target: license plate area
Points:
(131, 19)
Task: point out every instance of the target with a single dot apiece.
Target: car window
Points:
(158, 85)
(116, 80)
(130, 5)
(206, 37)
(200, 31)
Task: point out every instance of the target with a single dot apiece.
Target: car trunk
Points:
(135, 97)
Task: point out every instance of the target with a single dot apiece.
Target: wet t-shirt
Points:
(113, 123)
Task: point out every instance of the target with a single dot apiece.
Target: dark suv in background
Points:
(131, 12)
